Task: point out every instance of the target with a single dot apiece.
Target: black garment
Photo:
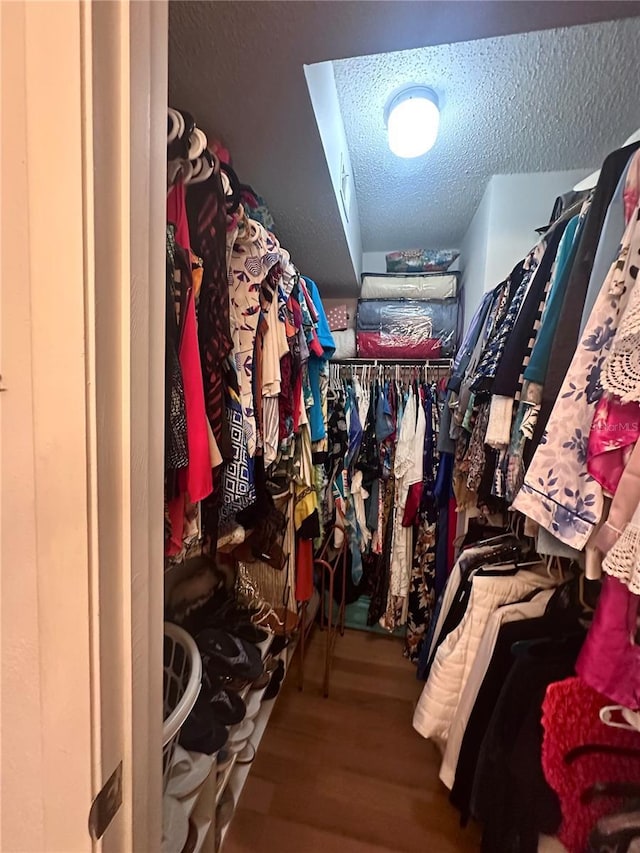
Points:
(368, 462)
(566, 339)
(502, 660)
(482, 381)
(520, 343)
(176, 453)
(510, 794)
(491, 503)
(379, 575)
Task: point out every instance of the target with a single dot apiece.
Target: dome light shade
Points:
(413, 119)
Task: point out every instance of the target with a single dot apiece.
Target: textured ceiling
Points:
(544, 101)
(238, 67)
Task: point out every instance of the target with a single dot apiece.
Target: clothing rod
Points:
(433, 362)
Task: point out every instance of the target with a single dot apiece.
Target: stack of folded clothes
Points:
(407, 328)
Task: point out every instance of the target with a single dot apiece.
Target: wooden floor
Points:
(348, 774)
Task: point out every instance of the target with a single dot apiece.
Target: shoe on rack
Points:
(221, 610)
(279, 620)
(270, 665)
(247, 631)
(276, 682)
(279, 644)
(255, 549)
(200, 731)
(226, 656)
(239, 736)
(262, 543)
(228, 708)
(201, 582)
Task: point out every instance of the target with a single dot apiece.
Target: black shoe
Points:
(228, 708)
(278, 644)
(274, 685)
(201, 732)
(219, 611)
(226, 656)
(246, 631)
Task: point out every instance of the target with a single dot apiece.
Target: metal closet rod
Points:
(432, 362)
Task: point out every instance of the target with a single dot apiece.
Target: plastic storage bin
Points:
(182, 680)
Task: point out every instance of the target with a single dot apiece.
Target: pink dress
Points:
(195, 481)
(614, 431)
(610, 660)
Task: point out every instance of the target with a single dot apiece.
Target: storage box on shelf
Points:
(431, 285)
(407, 328)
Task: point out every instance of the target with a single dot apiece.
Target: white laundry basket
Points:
(182, 679)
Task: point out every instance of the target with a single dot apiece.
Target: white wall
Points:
(324, 99)
(503, 228)
(519, 205)
(473, 256)
(374, 261)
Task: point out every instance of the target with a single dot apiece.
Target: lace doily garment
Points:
(623, 560)
(621, 375)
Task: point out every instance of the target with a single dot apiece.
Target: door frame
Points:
(81, 419)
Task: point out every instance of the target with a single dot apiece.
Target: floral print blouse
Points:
(559, 492)
(254, 253)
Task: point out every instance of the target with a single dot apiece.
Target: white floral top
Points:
(254, 253)
(558, 491)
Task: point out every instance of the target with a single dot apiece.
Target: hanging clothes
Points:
(401, 547)
(558, 491)
(422, 590)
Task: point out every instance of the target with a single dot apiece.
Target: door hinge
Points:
(105, 806)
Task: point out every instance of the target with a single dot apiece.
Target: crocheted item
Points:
(621, 375)
(623, 560)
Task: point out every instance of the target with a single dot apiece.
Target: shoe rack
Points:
(210, 808)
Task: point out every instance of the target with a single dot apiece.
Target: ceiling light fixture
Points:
(412, 118)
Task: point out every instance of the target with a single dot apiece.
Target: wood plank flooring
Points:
(348, 774)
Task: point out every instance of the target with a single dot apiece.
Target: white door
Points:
(81, 420)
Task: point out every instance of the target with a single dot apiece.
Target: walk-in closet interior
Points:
(402, 412)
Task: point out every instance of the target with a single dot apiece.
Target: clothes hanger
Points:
(516, 564)
(173, 170)
(234, 184)
(187, 124)
(181, 126)
(173, 125)
(582, 601)
(196, 169)
(187, 171)
(176, 149)
(553, 563)
(197, 143)
(631, 718)
(206, 168)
